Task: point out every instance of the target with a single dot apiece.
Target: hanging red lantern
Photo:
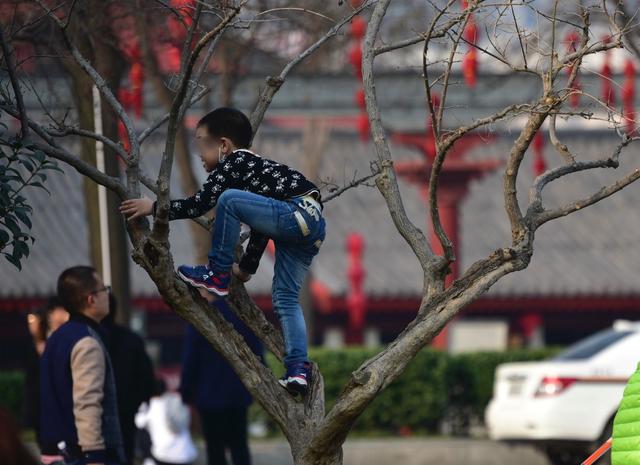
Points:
(470, 60)
(124, 97)
(177, 27)
(470, 33)
(358, 28)
(136, 76)
(359, 99)
(363, 126)
(470, 68)
(572, 44)
(355, 58)
(608, 93)
(628, 96)
(171, 60)
(539, 164)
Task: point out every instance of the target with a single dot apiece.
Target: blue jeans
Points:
(294, 252)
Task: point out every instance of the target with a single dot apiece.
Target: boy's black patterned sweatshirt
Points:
(247, 171)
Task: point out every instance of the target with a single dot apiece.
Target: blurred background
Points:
(365, 285)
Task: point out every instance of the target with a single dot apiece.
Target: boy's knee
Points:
(226, 196)
(283, 299)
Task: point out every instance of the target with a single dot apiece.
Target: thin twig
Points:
(8, 56)
(561, 148)
(352, 184)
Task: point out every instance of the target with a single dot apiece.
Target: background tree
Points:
(316, 436)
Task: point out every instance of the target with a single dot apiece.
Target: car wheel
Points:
(563, 456)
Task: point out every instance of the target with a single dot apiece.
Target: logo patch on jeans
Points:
(310, 209)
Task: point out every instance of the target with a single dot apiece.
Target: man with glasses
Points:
(79, 417)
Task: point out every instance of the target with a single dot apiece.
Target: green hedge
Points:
(435, 387)
(12, 392)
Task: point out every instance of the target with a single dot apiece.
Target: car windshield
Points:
(590, 346)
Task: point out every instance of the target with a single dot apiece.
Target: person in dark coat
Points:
(41, 322)
(209, 383)
(133, 373)
(78, 405)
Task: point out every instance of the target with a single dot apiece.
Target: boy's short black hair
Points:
(230, 123)
(74, 286)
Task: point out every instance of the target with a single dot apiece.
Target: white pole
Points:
(102, 191)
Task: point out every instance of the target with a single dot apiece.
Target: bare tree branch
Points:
(386, 181)
(58, 152)
(581, 204)
(536, 215)
(63, 131)
(100, 83)
(561, 148)
(443, 238)
(8, 58)
(516, 156)
(429, 35)
(160, 225)
(354, 183)
(435, 126)
(273, 84)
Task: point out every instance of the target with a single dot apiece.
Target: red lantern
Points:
(170, 60)
(470, 68)
(539, 164)
(471, 32)
(470, 60)
(136, 76)
(608, 93)
(359, 99)
(176, 30)
(124, 97)
(355, 58)
(572, 43)
(363, 126)
(628, 96)
(358, 28)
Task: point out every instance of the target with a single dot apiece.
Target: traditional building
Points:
(582, 277)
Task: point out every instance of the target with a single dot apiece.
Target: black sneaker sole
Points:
(294, 389)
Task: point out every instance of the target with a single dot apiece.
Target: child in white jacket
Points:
(167, 420)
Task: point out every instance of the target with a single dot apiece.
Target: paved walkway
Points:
(398, 451)
(412, 451)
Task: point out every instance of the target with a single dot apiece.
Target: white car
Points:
(566, 405)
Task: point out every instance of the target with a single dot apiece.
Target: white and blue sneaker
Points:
(297, 379)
